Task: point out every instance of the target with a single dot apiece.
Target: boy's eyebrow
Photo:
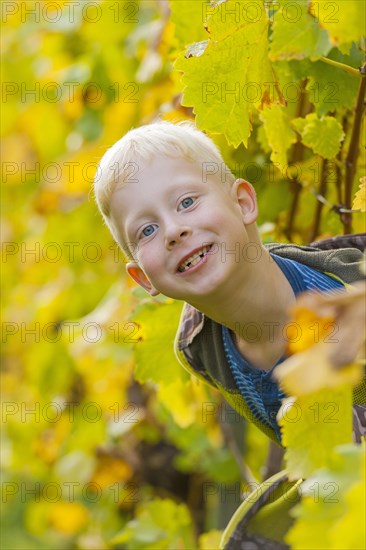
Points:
(131, 225)
(134, 221)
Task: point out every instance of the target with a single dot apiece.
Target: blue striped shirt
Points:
(260, 392)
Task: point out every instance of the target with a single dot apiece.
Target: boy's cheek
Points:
(133, 248)
(151, 269)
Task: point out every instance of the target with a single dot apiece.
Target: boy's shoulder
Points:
(341, 257)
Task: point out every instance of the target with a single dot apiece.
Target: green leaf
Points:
(296, 34)
(154, 353)
(312, 426)
(351, 526)
(201, 449)
(323, 136)
(160, 524)
(279, 133)
(359, 201)
(331, 88)
(188, 19)
(333, 504)
(228, 82)
(228, 17)
(210, 540)
(343, 19)
(328, 88)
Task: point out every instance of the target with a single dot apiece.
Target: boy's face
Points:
(173, 215)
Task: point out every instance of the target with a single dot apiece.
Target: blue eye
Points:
(148, 230)
(186, 203)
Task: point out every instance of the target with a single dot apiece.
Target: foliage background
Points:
(120, 440)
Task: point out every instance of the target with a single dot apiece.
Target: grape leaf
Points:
(323, 135)
(210, 540)
(279, 133)
(324, 416)
(328, 88)
(343, 19)
(230, 77)
(333, 504)
(188, 20)
(324, 324)
(159, 524)
(228, 17)
(156, 361)
(180, 399)
(296, 34)
(214, 84)
(68, 517)
(351, 525)
(311, 370)
(359, 202)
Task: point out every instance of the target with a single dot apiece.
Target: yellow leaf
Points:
(311, 426)
(332, 331)
(111, 469)
(46, 202)
(308, 329)
(16, 149)
(177, 398)
(73, 109)
(359, 202)
(351, 526)
(68, 517)
(210, 540)
(79, 169)
(312, 370)
(333, 361)
(49, 442)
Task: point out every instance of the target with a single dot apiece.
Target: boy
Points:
(189, 229)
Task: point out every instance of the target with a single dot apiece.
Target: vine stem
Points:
(352, 155)
(227, 430)
(319, 205)
(302, 109)
(343, 66)
(339, 163)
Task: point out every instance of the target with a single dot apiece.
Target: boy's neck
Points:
(256, 312)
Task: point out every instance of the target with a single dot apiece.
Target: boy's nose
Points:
(176, 235)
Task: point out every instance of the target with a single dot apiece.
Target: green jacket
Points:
(198, 343)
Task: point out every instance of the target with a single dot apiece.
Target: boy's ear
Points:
(135, 271)
(243, 192)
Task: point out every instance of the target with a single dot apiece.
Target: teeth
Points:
(193, 260)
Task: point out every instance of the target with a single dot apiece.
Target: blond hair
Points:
(177, 140)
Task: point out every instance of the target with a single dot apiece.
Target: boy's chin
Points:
(206, 290)
(202, 296)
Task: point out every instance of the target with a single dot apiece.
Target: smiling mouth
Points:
(194, 259)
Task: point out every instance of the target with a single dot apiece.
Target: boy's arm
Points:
(342, 241)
